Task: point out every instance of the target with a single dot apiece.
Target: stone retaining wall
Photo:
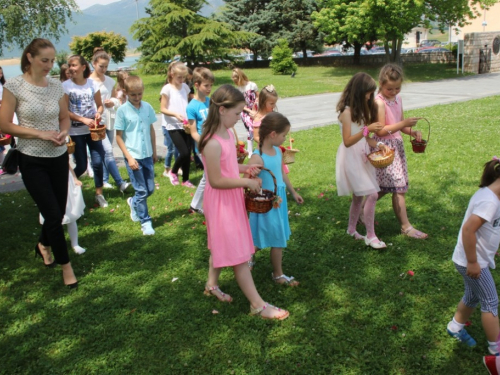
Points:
(486, 44)
(432, 58)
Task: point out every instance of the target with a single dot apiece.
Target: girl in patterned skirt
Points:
(394, 178)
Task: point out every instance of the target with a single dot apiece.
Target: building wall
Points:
(477, 43)
(492, 18)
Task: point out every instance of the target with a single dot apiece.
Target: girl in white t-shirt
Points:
(85, 107)
(250, 91)
(106, 84)
(473, 257)
(174, 100)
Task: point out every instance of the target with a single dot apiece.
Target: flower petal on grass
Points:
(411, 273)
(215, 312)
(175, 279)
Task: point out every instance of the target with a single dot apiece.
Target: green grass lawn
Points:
(140, 307)
(308, 80)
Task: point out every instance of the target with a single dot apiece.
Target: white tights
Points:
(73, 235)
(368, 213)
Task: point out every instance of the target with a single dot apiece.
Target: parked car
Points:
(433, 49)
(429, 43)
(332, 52)
(377, 51)
(301, 54)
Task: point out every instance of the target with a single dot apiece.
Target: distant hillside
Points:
(117, 17)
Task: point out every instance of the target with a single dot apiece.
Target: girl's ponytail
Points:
(491, 172)
(272, 122)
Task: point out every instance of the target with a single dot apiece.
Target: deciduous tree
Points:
(389, 21)
(114, 44)
(23, 20)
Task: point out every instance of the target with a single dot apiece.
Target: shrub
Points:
(282, 62)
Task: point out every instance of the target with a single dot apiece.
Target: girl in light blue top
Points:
(272, 228)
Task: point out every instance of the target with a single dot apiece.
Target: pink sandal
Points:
(415, 234)
(209, 292)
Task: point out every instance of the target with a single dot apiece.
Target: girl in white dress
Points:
(74, 210)
(354, 174)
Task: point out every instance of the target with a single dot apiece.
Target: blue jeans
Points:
(143, 181)
(109, 159)
(96, 156)
(171, 150)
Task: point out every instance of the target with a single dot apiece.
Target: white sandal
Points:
(374, 244)
(289, 280)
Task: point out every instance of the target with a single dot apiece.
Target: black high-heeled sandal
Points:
(38, 252)
(72, 286)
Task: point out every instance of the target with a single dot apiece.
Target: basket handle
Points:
(235, 135)
(274, 179)
(429, 133)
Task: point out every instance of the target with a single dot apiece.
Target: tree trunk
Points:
(387, 51)
(357, 53)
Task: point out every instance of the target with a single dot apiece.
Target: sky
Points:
(87, 3)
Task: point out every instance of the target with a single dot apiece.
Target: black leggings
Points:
(46, 180)
(182, 142)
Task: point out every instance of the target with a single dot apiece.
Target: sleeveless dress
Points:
(394, 178)
(353, 172)
(75, 204)
(272, 228)
(229, 236)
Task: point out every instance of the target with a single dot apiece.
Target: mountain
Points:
(117, 17)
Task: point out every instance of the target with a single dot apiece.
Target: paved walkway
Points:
(305, 112)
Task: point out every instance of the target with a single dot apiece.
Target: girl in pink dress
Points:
(229, 236)
(394, 178)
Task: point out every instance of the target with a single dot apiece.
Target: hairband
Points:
(495, 158)
(269, 88)
(495, 167)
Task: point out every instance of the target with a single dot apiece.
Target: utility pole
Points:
(137, 8)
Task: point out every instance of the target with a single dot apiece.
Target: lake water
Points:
(10, 71)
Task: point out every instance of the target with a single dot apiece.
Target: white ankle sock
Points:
(78, 249)
(455, 326)
(493, 346)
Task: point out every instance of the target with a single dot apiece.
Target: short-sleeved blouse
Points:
(37, 108)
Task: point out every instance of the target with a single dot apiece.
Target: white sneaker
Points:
(79, 250)
(101, 201)
(107, 185)
(133, 214)
(124, 186)
(166, 174)
(147, 229)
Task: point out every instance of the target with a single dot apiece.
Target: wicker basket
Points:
(381, 163)
(98, 132)
(262, 202)
(240, 156)
(70, 145)
(289, 153)
(5, 139)
(419, 146)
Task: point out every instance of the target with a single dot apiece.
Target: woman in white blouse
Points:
(43, 126)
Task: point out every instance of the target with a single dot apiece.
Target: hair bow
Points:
(269, 88)
(495, 158)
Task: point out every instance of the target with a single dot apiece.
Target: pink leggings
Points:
(368, 213)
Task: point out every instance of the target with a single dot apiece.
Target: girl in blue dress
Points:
(272, 228)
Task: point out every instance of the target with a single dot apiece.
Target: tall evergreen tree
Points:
(295, 24)
(256, 16)
(174, 27)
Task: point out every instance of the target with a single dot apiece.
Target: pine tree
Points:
(174, 27)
